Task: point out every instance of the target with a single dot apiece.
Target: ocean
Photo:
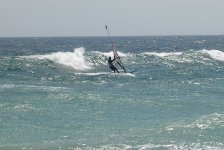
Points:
(57, 93)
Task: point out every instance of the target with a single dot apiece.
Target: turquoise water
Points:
(58, 93)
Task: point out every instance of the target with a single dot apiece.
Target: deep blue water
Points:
(58, 93)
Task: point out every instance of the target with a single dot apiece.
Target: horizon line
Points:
(85, 36)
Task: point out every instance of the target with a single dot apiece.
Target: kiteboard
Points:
(96, 74)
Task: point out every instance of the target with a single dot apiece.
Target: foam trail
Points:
(74, 59)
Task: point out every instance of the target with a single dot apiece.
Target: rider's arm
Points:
(114, 59)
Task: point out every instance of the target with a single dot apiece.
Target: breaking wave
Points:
(76, 59)
(215, 54)
(162, 54)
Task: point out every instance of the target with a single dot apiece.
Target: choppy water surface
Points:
(58, 93)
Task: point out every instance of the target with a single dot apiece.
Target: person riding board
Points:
(111, 66)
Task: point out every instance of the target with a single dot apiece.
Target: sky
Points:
(35, 18)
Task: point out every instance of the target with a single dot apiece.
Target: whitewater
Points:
(58, 93)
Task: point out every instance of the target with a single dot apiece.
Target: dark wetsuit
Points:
(111, 66)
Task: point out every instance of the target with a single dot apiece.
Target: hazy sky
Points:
(124, 17)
